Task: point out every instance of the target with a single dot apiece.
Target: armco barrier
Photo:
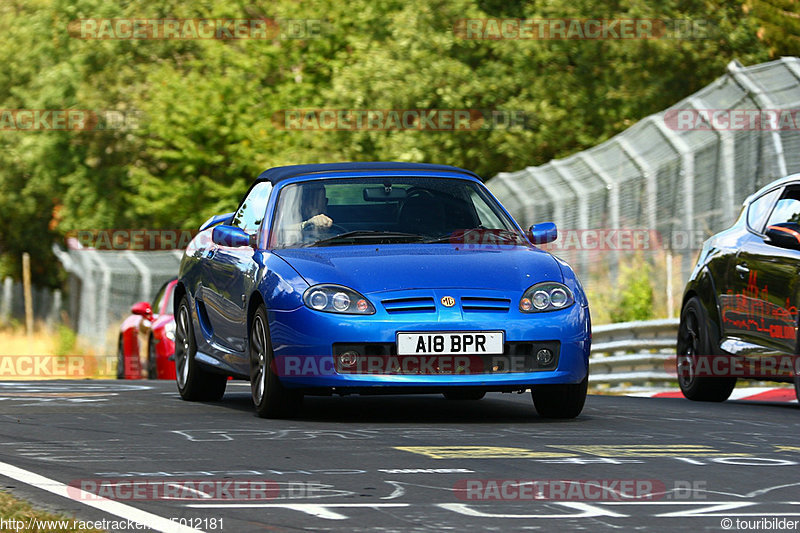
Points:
(633, 352)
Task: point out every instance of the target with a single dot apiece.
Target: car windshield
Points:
(387, 211)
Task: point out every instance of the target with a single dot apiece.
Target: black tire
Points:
(694, 340)
(797, 388)
(458, 395)
(194, 382)
(152, 371)
(120, 360)
(270, 397)
(560, 401)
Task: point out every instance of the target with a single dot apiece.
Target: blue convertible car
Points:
(378, 278)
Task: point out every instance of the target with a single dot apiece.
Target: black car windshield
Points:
(335, 212)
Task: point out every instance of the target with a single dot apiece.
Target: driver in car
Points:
(313, 208)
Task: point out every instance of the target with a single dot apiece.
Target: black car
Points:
(739, 317)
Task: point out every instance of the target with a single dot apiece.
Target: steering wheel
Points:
(414, 192)
(338, 228)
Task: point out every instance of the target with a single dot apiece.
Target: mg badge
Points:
(448, 301)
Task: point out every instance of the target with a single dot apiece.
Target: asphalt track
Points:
(404, 463)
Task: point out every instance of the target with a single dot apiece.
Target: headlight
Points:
(546, 296)
(169, 330)
(337, 299)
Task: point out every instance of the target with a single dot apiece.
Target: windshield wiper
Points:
(493, 237)
(366, 235)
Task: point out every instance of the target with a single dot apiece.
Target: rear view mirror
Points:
(784, 236)
(383, 194)
(543, 233)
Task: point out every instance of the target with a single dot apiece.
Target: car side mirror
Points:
(142, 309)
(783, 237)
(232, 236)
(543, 233)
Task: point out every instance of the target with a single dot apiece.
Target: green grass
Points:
(13, 509)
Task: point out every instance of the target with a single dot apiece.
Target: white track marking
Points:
(121, 510)
(313, 509)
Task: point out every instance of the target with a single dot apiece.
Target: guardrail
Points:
(639, 353)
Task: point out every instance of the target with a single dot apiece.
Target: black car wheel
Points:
(694, 342)
(194, 382)
(120, 360)
(560, 401)
(797, 387)
(152, 371)
(271, 398)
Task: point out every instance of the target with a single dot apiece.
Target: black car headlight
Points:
(546, 296)
(337, 299)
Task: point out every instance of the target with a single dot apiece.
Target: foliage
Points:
(633, 298)
(204, 108)
(66, 341)
(13, 510)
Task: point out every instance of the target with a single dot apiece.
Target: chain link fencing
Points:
(104, 284)
(679, 175)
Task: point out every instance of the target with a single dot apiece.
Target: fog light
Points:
(348, 358)
(544, 357)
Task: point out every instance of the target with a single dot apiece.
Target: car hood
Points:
(387, 268)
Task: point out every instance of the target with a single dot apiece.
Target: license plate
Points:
(434, 343)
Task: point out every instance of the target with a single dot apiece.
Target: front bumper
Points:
(303, 345)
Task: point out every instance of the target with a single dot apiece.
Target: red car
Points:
(147, 339)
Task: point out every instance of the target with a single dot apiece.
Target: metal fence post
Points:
(147, 278)
(726, 160)
(558, 207)
(583, 208)
(649, 177)
(613, 203)
(101, 301)
(687, 173)
(511, 184)
(765, 102)
(5, 303)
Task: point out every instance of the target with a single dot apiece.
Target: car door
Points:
(231, 271)
(765, 279)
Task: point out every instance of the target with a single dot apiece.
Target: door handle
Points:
(742, 270)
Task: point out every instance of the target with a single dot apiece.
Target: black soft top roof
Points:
(281, 173)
